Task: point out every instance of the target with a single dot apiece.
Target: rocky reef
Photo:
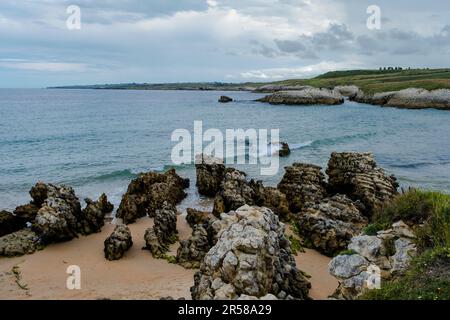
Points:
(164, 231)
(373, 258)
(251, 260)
(411, 98)
(118, 243)
(148, 192)
(307, 96)
(225, 99)
(210, 173)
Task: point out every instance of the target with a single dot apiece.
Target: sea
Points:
(97, 141)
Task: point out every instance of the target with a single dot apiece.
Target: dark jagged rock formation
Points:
(10, 223)
(195, 217)
(284, 150)
(303, 184)
(210, 173)
(235, 191)
(59, 215)
(307, 96)
(251, 259)
(329, 225)
(118, 243)
(357, 175)
(191, 252)
(164, 231)
(93, 218)
(225, 99)
(148, 192)
(19, 243)
(27, 212)
(104, 205)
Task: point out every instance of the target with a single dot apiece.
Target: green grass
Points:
(428, 277)
(372, 229)
(296, 245)
(347, 252)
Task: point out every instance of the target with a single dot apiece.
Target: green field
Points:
(370, 81)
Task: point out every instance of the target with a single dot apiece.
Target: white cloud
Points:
(42, 65)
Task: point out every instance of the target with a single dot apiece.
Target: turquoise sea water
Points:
(98, 140)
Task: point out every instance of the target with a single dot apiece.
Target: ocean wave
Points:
(416, 165)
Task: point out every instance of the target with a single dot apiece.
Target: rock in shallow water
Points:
(118, 243)
(225, 99)
(252, 257)
(307, 96)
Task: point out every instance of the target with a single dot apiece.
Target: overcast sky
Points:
(215, 40)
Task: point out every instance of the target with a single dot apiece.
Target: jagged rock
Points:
(210, 173)
(118, 243)
(404, 251)
(225, 99)
(252, 257)
(27, 212)
(58, 218)
(92, 217)
(388, 252)
(307, 96)
(236, 191)
(192, 251)
(148, 192)
(164, 231)
(329, 226)
(401, 229)
(9, 223)
(302, 184)
(104, 205)
(284, 150)
(39, 193)
(19, 243)
(195, 217)
(357, 175)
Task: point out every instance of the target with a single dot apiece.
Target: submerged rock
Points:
(118, 243)
(252, 258)
(10, 223)
(148, 192)
(225, 99)
(19, 243)
(210, 173)
(303, 184)
(357, 175)
(307, 96)
(329, 226)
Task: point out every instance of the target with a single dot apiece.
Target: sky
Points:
(123, 41)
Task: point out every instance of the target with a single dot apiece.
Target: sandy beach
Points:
(136, 276)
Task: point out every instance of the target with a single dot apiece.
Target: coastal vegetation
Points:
(370, 81)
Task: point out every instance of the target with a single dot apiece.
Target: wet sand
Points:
(136, 276)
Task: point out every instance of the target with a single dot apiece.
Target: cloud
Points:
(47, 66)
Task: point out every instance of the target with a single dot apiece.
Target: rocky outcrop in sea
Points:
(251, 260)
(411, 98)
(307, 96)
(148, 192)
